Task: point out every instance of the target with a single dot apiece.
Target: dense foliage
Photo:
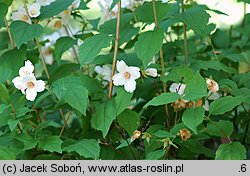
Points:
(179, 88)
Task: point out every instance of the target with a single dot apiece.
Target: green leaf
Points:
(6, 154)
(23, 32)
(92, 47)
(129, 120)
(145, 12)
(104, 116)
(71, 89)
(62, 45)
(196, 88)
(4, 9)
(4, 94)
(231, 151)
(28, 141)
(88, 148)
(155, 155)
(122, 99)
(54, 8)
(12, 123)
(7, 2)
(162, 99)
(13, 59)
(193, 117)
(148, 44)
(178, 74)
(163, 134)
(195, 18)
(225, 104)
(51, 144)
(214, 129)
(5, 73)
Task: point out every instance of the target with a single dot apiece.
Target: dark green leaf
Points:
(104, 116)
(4, 94)
(62, 45)
(129, 120)
(196, 88)
(231, 151)
(193, 117)
(6, 154)
(225, 104)
(88, 148)
(162, 99)
(72, 90)
(122, 99)
(214, 129)
(23, 32)
(92, 47)
(54, 8)
(155, 155)
(149, 44)
(51, 144)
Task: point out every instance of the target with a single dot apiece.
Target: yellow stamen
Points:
(127, 75)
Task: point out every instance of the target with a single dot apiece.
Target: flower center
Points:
(66, 12)
(30, 85)
(127, 75)
(25, 18)
(33, 12)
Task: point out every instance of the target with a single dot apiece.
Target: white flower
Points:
(27, 83)
(126, 76)
(151, 72)
(212, 85)
(21, 14)
(65, 16)
(27, 69)
(29, 86)
(104, 72)
(75, 4)
(44, 2)
(178, 88)
(34, 9)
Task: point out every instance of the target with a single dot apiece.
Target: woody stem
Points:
(162, 66)
(116, 49)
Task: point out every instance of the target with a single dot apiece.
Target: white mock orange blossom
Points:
(151, 72)
(27, 83)
(34, 10)
(20, 14)
(126, 76)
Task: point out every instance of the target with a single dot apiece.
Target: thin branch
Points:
(67, 29)
(116, 49)
(65, 121)
(162, 67)
(10, 36)
(185, 34)
(42, 58)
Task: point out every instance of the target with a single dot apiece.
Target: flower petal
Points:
(121, 66)
(118, 79)
(19, 83)
(151, 72)
(98, 69)
(178, 88)
(135, 72)
(39, 85)
(31, 94)
(130, 85)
